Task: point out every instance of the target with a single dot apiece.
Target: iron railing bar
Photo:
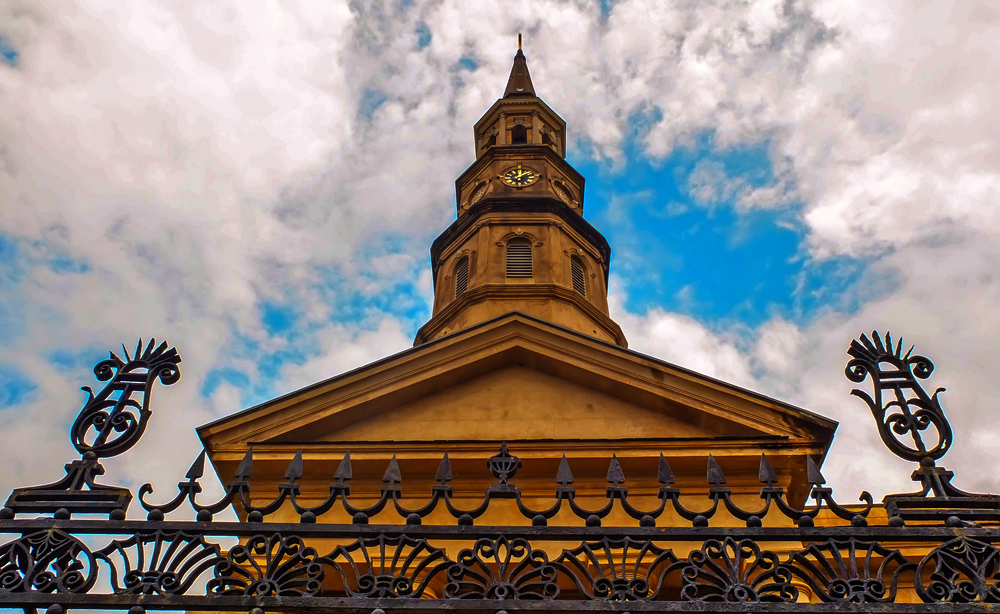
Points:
(362, 605)
(557, 533)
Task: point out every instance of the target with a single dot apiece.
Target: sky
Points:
(259, 182)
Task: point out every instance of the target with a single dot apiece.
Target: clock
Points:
(519, 177)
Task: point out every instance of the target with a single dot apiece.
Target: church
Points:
(519, 457)
(521, 349)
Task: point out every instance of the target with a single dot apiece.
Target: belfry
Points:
(520, 242)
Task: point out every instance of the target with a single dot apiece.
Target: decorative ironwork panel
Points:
(47, 562)
(269, 565)
(618, 569)
(502, 569)
(158, 562)
(850, 570)
(388, 567)
(962, 570)
(736, 571)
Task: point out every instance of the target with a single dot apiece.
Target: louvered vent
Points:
(519, 258)
(579, 279)
(462, 277)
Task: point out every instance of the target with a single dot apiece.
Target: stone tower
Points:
(520, 242)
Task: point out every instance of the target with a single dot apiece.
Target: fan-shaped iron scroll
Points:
(618, 569)
(387, 567)
(736, 571)
(501, 569)
(158, 562)
(850, 571)
(269, 565)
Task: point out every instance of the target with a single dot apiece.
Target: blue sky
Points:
(719, 264)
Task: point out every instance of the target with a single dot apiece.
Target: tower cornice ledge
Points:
(521, 203)
(502, 294)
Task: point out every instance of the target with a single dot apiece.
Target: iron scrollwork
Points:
(47, 562)
(397, 567)
(269, 565)
(909, 411)
(905, 415)
(850, 571)
(502, 569)
(736, 572)
(618, 569)
(962, 570)
(158, 562)
(110, 423)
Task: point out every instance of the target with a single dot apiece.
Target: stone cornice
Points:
(521, 204)
(520, 292)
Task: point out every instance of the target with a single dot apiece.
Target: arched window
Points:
(519, 135)
(519, 258)
(462, 276)
(579, 275)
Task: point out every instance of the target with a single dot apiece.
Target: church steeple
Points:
(520, 242)
(519, 83)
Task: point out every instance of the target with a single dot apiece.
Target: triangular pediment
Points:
(517, 378)
(517, 403)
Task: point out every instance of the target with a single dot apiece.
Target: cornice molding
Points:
(487, 292)
(520, 204)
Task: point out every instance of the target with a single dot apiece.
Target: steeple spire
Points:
(519, 83)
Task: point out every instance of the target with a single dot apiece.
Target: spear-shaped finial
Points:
(392, 475)
(443, 474)
(767, 475)
(813, 474)
(197, 468)
(615, 474)
(564, 476)
(518, 40)
(246, 466)
(715, 475)
(295, 468)
(344, 470)
(664, 475)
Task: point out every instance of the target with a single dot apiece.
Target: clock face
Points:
(520, 177)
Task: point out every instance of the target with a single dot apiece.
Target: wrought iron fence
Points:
(936, 549)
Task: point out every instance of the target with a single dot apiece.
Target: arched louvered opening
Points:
(462, 276)
(519, 258)
(519, 135)
(579, 276)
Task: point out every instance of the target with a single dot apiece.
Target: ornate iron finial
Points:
(111, 422)
(503, 466)
(906, 416)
